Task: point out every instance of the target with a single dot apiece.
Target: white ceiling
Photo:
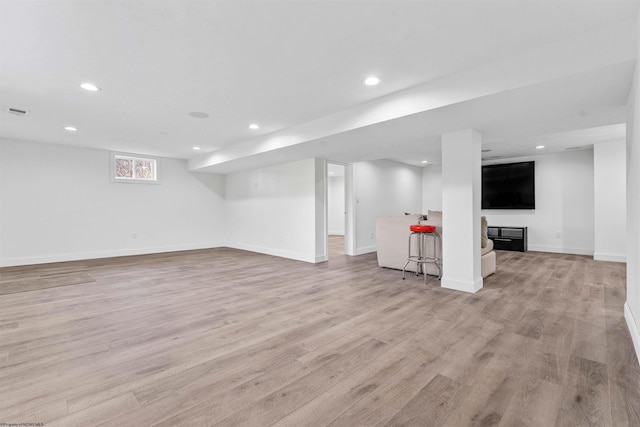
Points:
(298, 67)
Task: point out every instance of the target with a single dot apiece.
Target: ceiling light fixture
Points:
(424, 162)
(70, 129)
(195, 147)
(372, 81)
(90, 87)
(539, 147)
(254, 126)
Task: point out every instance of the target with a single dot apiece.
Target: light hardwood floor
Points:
(227, 337)
(336, 246)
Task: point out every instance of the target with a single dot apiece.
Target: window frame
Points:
(131, 156)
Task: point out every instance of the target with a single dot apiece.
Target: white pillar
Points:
(461, 187)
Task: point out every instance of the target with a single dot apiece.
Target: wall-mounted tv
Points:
(509, 186)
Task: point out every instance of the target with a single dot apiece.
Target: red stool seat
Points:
(422, 228)
(422, 233)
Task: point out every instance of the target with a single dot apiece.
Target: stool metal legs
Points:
(421, 259)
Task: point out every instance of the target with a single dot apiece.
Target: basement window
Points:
(134, 169)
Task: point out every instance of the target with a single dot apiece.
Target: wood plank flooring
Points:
(226, 337)
(336, 246)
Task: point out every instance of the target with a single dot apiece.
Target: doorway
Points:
(336, 210)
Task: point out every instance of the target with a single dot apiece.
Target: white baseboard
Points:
(321, 258)
(458, 285)
(599, 256)
(336, 233)
(79, 256)
(555, 250)
(633, 329)
(277, 252)
(365, 250)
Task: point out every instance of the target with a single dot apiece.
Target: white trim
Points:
(350, 209)
(555, 250)
(326, 214)
(458, 285)
(297, 256)
(365, 250)
(609, 257)
(633, 329)
(80, 256)
(321, 258)
(322, 235)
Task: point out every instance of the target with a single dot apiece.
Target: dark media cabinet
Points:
(508, 238)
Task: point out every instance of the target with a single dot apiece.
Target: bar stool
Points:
(422, 232)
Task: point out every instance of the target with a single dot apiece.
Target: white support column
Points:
(461, 187)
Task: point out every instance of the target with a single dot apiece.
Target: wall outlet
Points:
(371, 235)
(134, 235)
(558, 235)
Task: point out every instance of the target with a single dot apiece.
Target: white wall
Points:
(632, 306)
(335, 204)
(59, 204)
(431, 188)
(610, 196)
(564, 215)
(564, 203)
(382, 188)
(273, 210)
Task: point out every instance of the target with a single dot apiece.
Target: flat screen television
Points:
(509, 186)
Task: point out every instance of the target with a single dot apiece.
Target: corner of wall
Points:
(632, 305)
(633, 329)
(321, 212)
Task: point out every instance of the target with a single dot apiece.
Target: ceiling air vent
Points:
(17, 112)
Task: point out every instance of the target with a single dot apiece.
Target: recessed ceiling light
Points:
(195, 147)
(70, 129)
(198, 114)
(90, 87)
(539, 147)
(424, 162)
(330, 173)
(372, 81)
(254, 126)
